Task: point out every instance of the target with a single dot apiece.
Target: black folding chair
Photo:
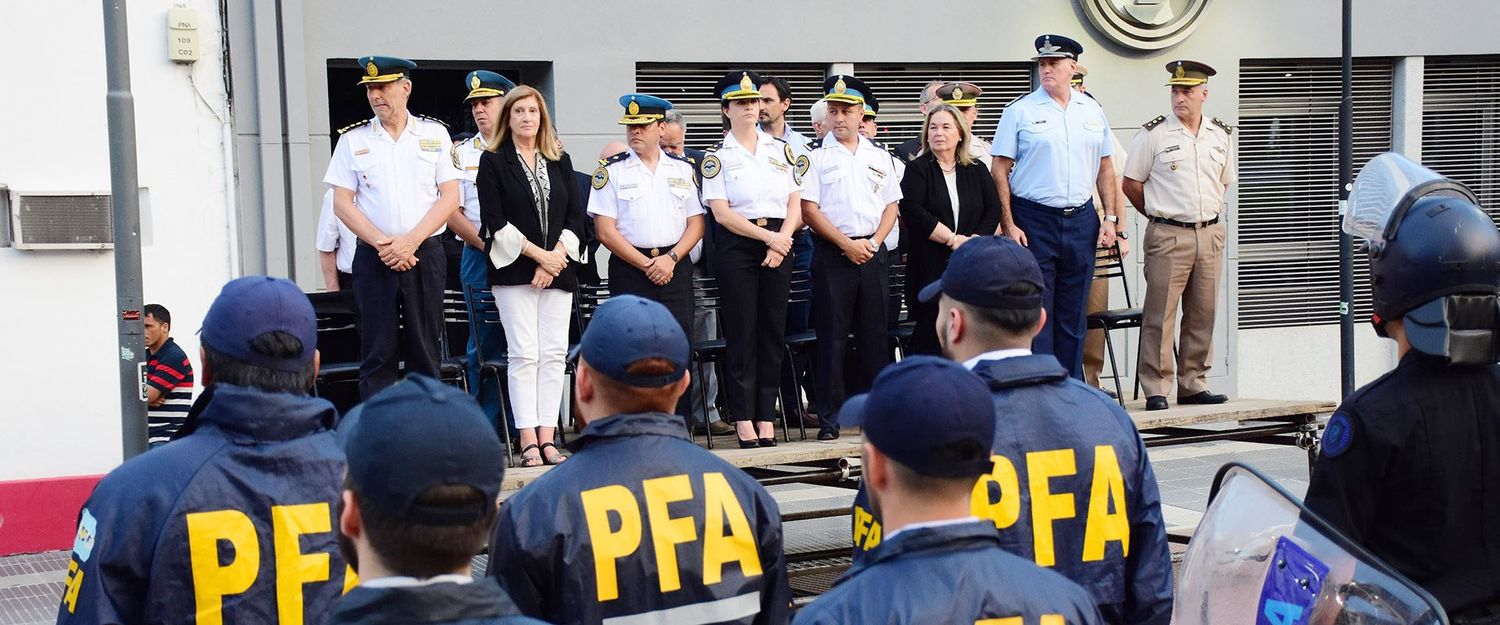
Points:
(1108, 263)
(797, 344)
(900, 323)
(585, 302)
(337, 316)
(453, 342)
(710, 352)
(481, 312)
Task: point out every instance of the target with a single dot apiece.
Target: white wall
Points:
(1303, 362)
(60, 378)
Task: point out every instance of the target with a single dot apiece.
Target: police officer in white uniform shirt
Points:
(849, 196)
(1051, 151)
(335, 243)
(395, 186)
(752, 185)
(646, 212)
(486, 92)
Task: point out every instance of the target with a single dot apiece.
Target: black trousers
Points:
(848, 298)
(677, 295)
(401, 315)
(753, 315)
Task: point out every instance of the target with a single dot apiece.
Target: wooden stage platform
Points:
(1260, 420)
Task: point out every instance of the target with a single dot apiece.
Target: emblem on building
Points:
(1145, 24)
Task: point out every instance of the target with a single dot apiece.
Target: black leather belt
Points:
(653, 252)
(1067, 211)
(1184, 224)
(436, 239)
(768, 222)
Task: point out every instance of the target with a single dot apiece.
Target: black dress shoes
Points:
(828, 434)
(1157, 402)
(768, 442)
(1203, 397)
(750, 444)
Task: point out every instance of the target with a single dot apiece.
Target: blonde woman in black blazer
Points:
(942, 181)
(532, 214)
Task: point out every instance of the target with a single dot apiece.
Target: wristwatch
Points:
(1114, 219)
(1122, 235)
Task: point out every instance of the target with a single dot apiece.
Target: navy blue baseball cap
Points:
(982, 269)
(254, 305)
(930, 414)
(417, 434)
(627, 329)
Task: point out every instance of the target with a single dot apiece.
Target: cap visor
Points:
(1055, 55)
(962, 103)
(1186, 82)
(742, 95)
(931, 291)
(483, 93)
(848, 99)
(633, 120)
(383, 78)
(852, 413)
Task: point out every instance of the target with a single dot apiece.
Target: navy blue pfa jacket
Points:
(950, 574)
(642, 522)
(231, 523)
(480, 602)
(1072, 490)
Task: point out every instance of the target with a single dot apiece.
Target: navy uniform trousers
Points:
(676, 295)
(401, 315)
(848, 298)
(753, 316)
(1063, 240)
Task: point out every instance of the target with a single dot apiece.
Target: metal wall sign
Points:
(1145, 24)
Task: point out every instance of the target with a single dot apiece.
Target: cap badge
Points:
(746, 83)
(958, 93)
(1180, 72)
(474, 81)
(840, 87)
(371, 69)
(1048, 48)
(633, 109)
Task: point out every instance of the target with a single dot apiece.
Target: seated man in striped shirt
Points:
(169, 377)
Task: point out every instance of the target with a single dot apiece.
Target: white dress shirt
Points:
(650, 209)
(394, 179)
(852, 189)
(755, 185)
(334, 236)
(466, 155)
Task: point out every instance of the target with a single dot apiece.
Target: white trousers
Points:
(536, 333)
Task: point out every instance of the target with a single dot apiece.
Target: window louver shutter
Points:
(690, 89)
(1288, 185)
(900, 86)
(1461, 123)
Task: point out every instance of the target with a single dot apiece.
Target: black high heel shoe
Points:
(750, 444)
(768, 442)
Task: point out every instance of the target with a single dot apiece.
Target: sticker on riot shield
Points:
(1292, 584)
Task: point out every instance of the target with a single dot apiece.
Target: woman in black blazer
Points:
(532, 214)
(943, 169)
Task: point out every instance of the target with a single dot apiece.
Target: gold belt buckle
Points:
(655, 251)
(761, 222)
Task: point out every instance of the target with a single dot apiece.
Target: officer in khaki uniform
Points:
(1184, 165)
(965, 97)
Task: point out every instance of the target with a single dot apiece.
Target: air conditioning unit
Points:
(63, 220)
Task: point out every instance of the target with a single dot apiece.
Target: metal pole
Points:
(125, 202)
(1346, 245)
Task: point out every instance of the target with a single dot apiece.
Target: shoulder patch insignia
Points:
(601, 177)
(453, 151)
(791, 157)
(1220, 123)
(1155, 122)
(1337, 435)
(362, 122)
(710, 167)
(803, 164)
(433, 119)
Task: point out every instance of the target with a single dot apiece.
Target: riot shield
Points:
(1260, 558)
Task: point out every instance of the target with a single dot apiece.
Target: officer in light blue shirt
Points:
(1051, 151)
